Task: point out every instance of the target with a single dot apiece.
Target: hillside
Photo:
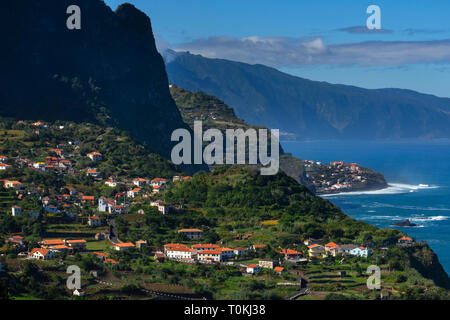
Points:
(318, 177)
(108, 73)
(303, 108)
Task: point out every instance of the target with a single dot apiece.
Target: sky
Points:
(325, 40)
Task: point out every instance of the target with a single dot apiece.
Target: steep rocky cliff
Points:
(107, 72)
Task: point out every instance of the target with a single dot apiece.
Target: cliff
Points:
(109, 72)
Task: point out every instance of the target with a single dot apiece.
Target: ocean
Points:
(418, 174)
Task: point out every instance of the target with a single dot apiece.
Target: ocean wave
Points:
(393, 188)
(407, 207)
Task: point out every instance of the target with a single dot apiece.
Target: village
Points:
(339, 176)
(82, 224)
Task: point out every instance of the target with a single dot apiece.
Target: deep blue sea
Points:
(419, 176)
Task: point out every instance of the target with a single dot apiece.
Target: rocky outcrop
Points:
(107, 72)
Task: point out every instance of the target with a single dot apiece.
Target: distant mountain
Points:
(311, 109)
(109, 72)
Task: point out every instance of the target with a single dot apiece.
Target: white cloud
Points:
(292, 52)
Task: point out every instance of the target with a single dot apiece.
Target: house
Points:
(159, 256)
(41, 254)
(239, 251)
(118, 208)
(105, 204)
(15, 211)
(3, 159)
(111, 183)
(95, 156)
(360, 252)
(405, 240)
(202, 247)
(99, 236)
(47, 243)
(4, 166)
(123, 246)
(316, 251)
(170, 246)
(72, 191)
(16, 185)
(258, 246)
(158, 182)
(267, 263)
(278, 270)
(191, 233)
(95, 221)
(134, 192)
(59, 248)
(163, 207)
(346, 248)
(181, 253)
(140, 182)
(101, 255)
(330, 245)
(290, 254)
(141, 243)
(76, 244)
(92, 172)
(16, 239)
(86, 199)
(210, 256)
(253, 268)
(39, 165)
(227, 253)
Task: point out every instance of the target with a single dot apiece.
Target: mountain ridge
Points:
(311, 109)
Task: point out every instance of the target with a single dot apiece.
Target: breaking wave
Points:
(393, 188)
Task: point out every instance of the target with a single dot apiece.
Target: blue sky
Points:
(320, 40)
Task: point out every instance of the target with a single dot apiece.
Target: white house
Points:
(158, 182)
(16, 211)
(140, 182)
(95, 156)
(210, 255)
(134, 192)
(105, 204)
(123, 246)
(95, 221)
(253, 268)
(360, 252)
(41, 254)
(111, 183)
(4, 166)
(181, 253)
(191, 233)
(227, 253)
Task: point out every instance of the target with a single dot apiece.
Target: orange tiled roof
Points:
(331, 244)
(278, 269)
(190, 230)
(124, 245)
(210, 252)
(50, 242)
(209, 245)
(41, 251)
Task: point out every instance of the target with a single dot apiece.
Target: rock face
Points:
(405, 223)
(108, 72)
